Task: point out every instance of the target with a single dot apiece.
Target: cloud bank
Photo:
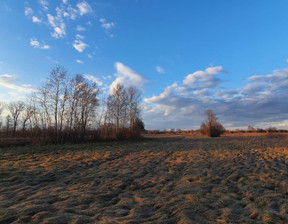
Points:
(262, 102)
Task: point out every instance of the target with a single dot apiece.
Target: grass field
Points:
(157, 180)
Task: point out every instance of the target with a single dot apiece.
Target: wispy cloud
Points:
(61, 16)
(58, 25)
(93, 79)
(78, 44)
(8, 81)
(79, 61)
(78, 36)
(105, 24)
(80, 28)
(36, 44)
(44, 4)
(127, 77)
(84, 8)
(28, 11)
(36, 20)
(159, 69)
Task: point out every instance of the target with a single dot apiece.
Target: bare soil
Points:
(161, 180)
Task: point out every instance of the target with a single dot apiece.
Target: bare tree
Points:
(8, 123)
(56, 86)
(133, 102)
(65, 109)
(117, 106)
(2, 106)
(211, 127)
(42, 101)
(87, 102)
(26, 115)
(35, 108)
(15, 109)
(100, 116)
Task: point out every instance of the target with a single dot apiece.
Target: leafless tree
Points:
(56, 88)
(15, 109)
(42, 101)
(8, 123)
(35, 107)
(85, 103)
(133, 105)
(117, 107)
(2, 106)
(211, 127)
(65, 109)
(26, 115)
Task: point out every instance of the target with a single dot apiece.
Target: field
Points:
(179, 179)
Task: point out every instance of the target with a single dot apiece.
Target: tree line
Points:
(68, 109)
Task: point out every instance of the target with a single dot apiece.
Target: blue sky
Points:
(185, 56)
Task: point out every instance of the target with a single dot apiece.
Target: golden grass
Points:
(167, 180)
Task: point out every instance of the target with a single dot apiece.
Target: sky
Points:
(184, 56)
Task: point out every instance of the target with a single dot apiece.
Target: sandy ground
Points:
(167, 180)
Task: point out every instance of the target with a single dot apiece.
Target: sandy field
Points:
(158, 180)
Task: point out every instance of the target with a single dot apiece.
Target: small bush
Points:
(211, 127)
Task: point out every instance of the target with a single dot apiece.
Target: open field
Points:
(161, 180)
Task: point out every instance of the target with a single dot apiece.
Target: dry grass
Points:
(167, 180)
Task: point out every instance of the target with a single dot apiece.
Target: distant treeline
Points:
(198, 131)
(69, 110)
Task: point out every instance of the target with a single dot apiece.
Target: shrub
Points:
(211, 127)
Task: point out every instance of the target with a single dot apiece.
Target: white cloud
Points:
(36, 44)
(8, 81)
(202, 79)
(90, 56)
(36, 20)
(28, 11)
(73, 13)
(44, 4)
(79, 61)
(80, 28)
(105, 24)
(127, 77)
(78, 36)
(93, 79)
(62, 15)
(260, 103)
(79, 45)
(51, 20)
(58, 25)
(273, 83)
(84, 8)
(160, 69)
(65, 14)
(161, 102)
